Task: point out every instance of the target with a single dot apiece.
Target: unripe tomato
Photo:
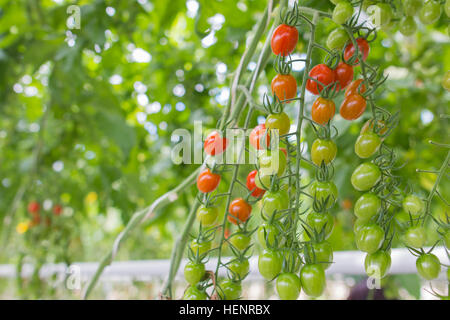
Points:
(356, 86)
(240, 241)
(367, 144)
(343, 75)
(284, 39)
(194, 272)
(323, 150)
(239, 211)
(318, 221)
(33, 207)
(239, 268)
(273, 202)
(353, 107)
(207, 215)
(370, 124)
(207, 181)
(337, 39)
(367, 206)
(215, 144)
(407, 26)
(413, 205)
(270, 162)
(415, 237)
(323, 253)
(284, 86)
(447, 8)
(322, 110)
(367, 3)
(193, 293)
(312, 277)
(410, 7)
(380, 14)
(369, 238)
(200, 248)
(324, 191)
(270, 263)
(267, 235)
(365, 176)
(428, 266)
(342, 12)
(259, 137)
(321, 73)
(377, 264)
(230, 290)
(363, 48)
(446, 80)
(263, 180)
(278, 121)
(288, 286)
(358, 224)
(430, 12)
(257, 192)
(401, 219)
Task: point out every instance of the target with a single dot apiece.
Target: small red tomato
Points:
(215, 144)
(284, 86)
(323, 110)
(239, 211)
(207, 181)
(257, 192)
(321, 73)
(353, 107)
(355, 86)
(57, 210)
(284, 39)
(363, 48)
(343, 75)
(257, 137)
(226, 233)
(33, 207)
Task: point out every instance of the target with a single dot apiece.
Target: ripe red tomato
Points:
(239, 211)
(257, 137)
(215, 144)
(257, 192)
(354, 87)
(33, 207)
(321, 73)
(284, 86)
(207, 181)
(363, 48)
(284, 39)
(322, 110)
(57, 210)
(343, 75)
(353, 107)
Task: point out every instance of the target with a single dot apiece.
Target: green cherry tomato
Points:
(207, 215)
(342, 12)
(367, 4)
(410, 7)
(337, 39)
(447, 8)
(240, 241)
(380, 14)
(446, 79)
(369, 238)
(312, 277)
(267, 234)
(401, 219)
(365, 176)
(270, 263)
(230, 290)
(413, 205)
(367, 206)
(263, 181)
(274, 202)
(194, 272)
(377, 264)
(325, 192)
(446, 238)
(428, 266)
(430, 12)
(323, 253)
(288, 286)
(193, 293)
(239, 268)
(415, 237)
(358, 224)
(200, 248)
(323, 150)
(367, 144)
(278, 121)
(407, 26)
(318, 221)
(271, 162)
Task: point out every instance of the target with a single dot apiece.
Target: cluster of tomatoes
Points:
(34, 209)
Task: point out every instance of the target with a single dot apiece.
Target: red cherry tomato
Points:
(354, 87)
(284, 86)
(257, 192)
(343, 75)
(322, 110)
(57, 210)
(363, 48)
(239, 211)
(321, 73)
(207, 181)
(284, 39)
(257, 137)
(33, 207)
(215, 144)
(353, 107)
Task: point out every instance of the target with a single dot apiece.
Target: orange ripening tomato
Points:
(321, 73)
(354, 87)
(215, 144)
(363, 48)
(343, 74)
(257, 192)
(353, 107)
(322, 110)
(207, 181)
(284, 86)
(257, 137)
(239, 211)
(284, 39)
